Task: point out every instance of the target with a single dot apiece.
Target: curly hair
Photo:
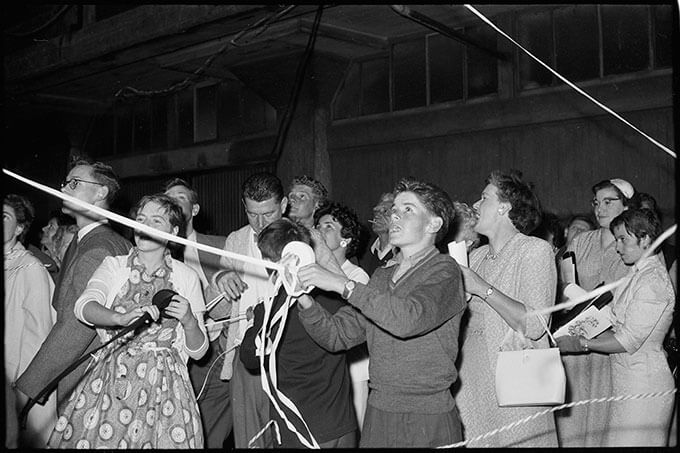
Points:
(351, 226)
(639, 222)
(23, 211)
(525, 214)
(261, 187)
(465, 222)
(319, 189)
(435, 199)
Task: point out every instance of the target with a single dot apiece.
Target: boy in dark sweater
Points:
(409, 313)
(315, 380)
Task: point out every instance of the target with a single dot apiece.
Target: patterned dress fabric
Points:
(523, 270)
(642, 313)
(137, 392)
(588, 375)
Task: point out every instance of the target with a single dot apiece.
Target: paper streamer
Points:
(141, 227)
(579, 90)
(458, 251)
(603, 289)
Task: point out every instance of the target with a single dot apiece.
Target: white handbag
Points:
(530, 377)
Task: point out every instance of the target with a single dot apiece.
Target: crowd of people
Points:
(391, 342)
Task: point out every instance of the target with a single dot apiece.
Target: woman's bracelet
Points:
(584, 345)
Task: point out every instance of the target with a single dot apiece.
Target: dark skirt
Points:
(404, 429)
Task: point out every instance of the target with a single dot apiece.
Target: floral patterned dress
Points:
(137, 392)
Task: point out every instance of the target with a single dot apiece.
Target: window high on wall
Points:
(582, 42)
(203, 114)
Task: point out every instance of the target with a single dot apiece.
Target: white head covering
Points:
(624, 186)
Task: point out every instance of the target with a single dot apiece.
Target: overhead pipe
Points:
(432, 24)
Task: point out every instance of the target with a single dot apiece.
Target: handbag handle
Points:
(545, 326)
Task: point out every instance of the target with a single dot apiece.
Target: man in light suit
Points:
(215, 399)
(97, 184)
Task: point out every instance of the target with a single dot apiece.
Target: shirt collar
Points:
(649, 261)
(410, 261)
(375, 249)
(87, 228)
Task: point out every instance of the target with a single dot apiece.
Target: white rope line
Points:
(276, 428)
(579, 90)
(141, 227)
(603, 289)
(205, 381)
(557, 408)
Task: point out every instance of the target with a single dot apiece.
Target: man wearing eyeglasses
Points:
(97, 184)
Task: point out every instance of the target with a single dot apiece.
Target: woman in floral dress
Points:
(136, 392)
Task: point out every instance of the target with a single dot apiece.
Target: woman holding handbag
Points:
(641, 314)
(510, 276)
(596, 262)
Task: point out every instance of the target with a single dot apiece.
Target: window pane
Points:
(408, 62)
(663, 33)
(535, 34)
(576, 42)
(374, 87)
(625, 38)
(229, 119)
(185, 113)
(142, 137)
(123, 130)
(159, 118)
(446, 69)
(206, 113)
(482, 68)
(348, 101)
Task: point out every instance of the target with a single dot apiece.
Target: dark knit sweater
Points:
(411, 328)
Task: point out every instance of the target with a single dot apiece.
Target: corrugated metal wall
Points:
(563, 158)
(219, 194)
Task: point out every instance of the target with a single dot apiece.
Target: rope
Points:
(557, 408)
(563, 79)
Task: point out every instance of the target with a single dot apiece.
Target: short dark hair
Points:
(319, 189)
(351, 227)
(23, 210)
(262, 187)
(193, 195)
(171, 207)
(639, 222)
(435, 199)
(584, 218)
(274, 237)
(607, 184)
(525, 214)
(103, 174)
(550, 225)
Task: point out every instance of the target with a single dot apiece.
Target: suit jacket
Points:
(69, 339)
(210, 263)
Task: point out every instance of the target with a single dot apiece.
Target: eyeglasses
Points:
(606, 202)
(73, 183)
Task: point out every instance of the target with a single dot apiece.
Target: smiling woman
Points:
(145, 370)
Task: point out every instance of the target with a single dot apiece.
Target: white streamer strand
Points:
(141, 227)
(603, 289)
(509, 426)
(579, 90)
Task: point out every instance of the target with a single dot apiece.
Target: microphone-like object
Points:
(161, 300)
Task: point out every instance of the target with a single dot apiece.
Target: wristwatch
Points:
(489, 292)
(348, 289)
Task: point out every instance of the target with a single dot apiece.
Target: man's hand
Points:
(305, 301)
(313, 274)
(232, 285)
